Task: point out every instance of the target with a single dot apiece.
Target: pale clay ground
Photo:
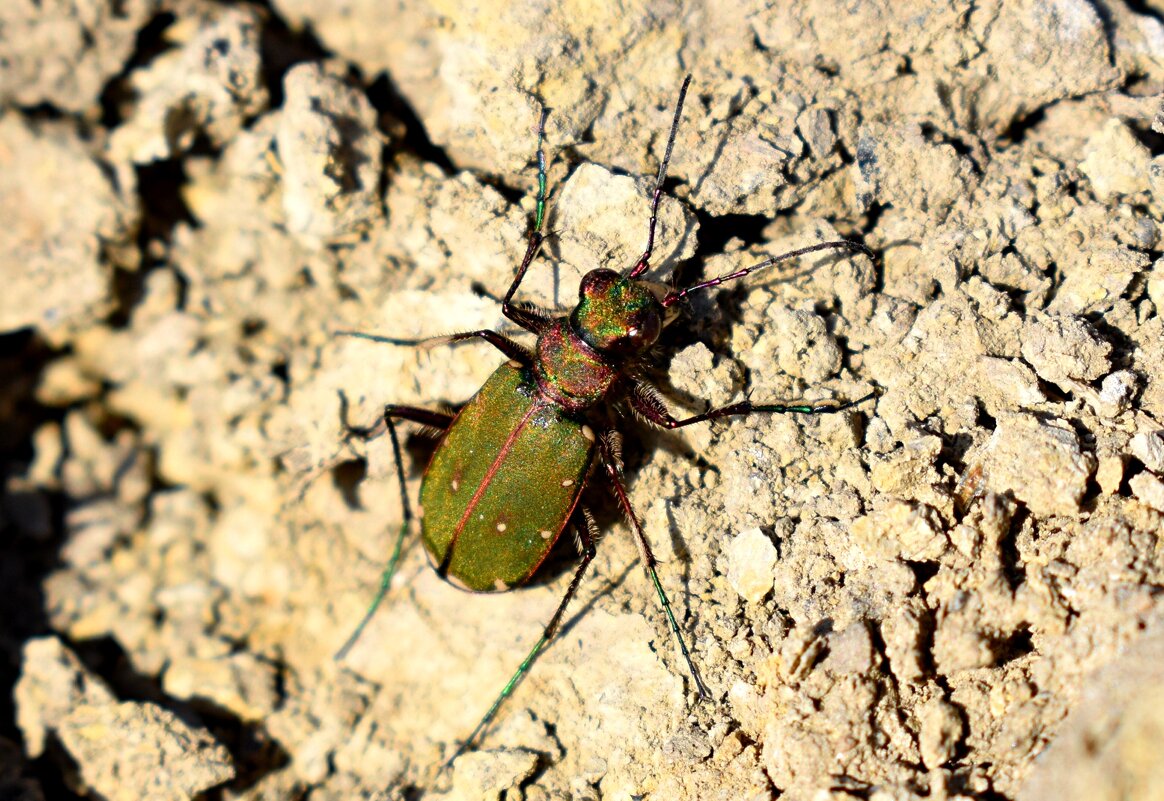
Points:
(952, 592)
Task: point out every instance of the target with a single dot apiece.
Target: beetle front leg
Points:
(425, 417)
(534, 321)
(531, 321)
(610, 461)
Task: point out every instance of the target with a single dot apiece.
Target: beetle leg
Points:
(610, 462)
(504, 344)
(528, 321)
(425, 417)
(531, 321)
(646, 402)
(587, 531)
(429, 419)
(535, 318)
(529, 316)
(412, 414)
(587, 535)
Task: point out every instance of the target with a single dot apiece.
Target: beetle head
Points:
(615, 314)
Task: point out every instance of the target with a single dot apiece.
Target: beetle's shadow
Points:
(608, 587)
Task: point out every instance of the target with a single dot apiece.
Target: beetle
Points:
(507, 473)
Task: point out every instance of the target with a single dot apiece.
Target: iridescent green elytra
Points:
(508, 442)
(507, 476)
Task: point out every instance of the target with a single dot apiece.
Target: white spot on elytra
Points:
(513, 363)
(456, 485)
(568, 482)
(500, 527)
(588, 432)
(500, 585)
(546, 534)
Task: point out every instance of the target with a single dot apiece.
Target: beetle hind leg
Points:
(587, 531)
(429, 419)
(610, 461)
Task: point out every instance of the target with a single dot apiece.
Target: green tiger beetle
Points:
(507, 474)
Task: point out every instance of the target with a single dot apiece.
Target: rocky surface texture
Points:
(913, 599)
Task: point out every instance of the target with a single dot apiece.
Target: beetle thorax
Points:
(569, 371)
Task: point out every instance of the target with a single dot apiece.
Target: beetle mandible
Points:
(491, 515)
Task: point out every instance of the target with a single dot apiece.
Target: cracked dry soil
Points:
(951, 592)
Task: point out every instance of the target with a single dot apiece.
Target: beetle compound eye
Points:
(597, 284)
(648, 329)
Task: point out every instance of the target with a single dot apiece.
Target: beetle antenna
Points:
(673, 297)
(540, 213)
(644, 261)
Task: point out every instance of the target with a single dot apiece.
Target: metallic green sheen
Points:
(605, 317)
(511, 460)
(569, 370)
(611, 309)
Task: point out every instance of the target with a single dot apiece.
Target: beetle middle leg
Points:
(503, 343)
(587, 535)
(646, 402)
(425, 417)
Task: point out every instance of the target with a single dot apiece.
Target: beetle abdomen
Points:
(503, 483)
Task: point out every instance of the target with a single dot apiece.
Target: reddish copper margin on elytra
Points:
(492, 471)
